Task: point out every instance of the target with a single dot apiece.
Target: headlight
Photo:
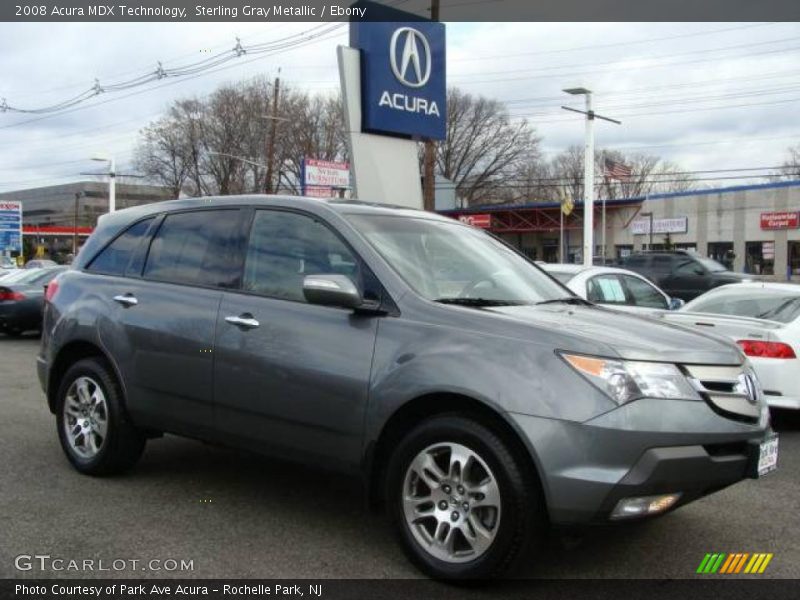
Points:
(625, 380)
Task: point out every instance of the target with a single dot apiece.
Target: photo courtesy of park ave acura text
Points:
(400, 299)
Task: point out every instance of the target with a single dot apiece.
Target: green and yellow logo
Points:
(739, 562)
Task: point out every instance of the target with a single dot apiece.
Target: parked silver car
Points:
(480, 400)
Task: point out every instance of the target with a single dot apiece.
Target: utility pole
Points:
(588, 171)
(429, 160)
(272, 132)
(75, 227)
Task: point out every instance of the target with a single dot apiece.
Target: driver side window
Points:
(644, 294)
(284, 247)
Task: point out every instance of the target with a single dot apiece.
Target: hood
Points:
(625, 335)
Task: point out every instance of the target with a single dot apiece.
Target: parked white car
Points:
(763, 318)
(615, 288)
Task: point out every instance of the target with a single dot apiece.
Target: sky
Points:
(707, 96)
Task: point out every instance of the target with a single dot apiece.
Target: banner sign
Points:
(403, 89)
(670, 225)
(10, 227)
(484, 221)
(780, 220)
(324, 178)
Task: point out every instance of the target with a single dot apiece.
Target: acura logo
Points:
(747, 387)
(410, 57)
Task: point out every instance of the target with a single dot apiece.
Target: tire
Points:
(92, 425)
(487, 536)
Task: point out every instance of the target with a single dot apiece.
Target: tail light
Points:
(766, 349)
(50, 290)
(7, 294)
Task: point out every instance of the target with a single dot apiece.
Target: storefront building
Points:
(57, 219)
(751, 229)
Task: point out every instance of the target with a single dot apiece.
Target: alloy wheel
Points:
(451, 502)
(85, 417)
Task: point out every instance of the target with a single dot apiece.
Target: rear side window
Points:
(117, 255)
(637, 260)
(196, 248)
(605, 289)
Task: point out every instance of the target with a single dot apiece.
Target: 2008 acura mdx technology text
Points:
(480, 399)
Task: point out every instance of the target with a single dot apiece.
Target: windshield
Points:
(447, 261)
(562, 276)
(710, 264)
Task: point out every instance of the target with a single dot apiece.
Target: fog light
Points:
(643, 505)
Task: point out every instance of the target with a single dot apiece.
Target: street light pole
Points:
(588, 172)
(112, 180)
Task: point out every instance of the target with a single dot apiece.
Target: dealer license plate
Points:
(767, 456)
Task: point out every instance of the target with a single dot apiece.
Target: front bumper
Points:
(644, 448)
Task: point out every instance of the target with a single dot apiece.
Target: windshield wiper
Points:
(565, 300)
(477, 302)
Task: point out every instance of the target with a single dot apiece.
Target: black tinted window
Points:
(285, 247)
(116, 256)
(662, 263)
(195, 248)
(637, 260)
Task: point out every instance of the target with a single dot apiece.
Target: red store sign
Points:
(483, 221)
(780, 220)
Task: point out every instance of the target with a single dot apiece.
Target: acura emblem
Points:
(411, 68)
(746, 386)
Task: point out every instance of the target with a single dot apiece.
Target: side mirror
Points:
(331, 290)
(698, 270)
(676, 303)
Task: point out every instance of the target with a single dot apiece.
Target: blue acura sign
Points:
(403, 83)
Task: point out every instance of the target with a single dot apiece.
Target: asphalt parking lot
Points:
(236, 515)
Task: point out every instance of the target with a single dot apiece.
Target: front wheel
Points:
(461, 502)
(93, 428)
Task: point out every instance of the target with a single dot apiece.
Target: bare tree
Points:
(218, 145)
(484, 149)
(649, 175)
(790, 169)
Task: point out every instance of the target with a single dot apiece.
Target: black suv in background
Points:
(682, 274)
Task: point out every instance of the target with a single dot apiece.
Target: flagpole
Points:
(561, 235)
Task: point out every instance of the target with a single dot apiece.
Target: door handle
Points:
(126, 300)
(245, 321)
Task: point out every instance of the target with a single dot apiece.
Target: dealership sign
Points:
(324, 178)
(670, 225)
(484, 221)
(780, 220)
(10, 227)
(403, 88)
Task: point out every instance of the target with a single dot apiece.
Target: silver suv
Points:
(481, 400)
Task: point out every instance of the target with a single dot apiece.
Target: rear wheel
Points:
(462, 505)
(93, 428)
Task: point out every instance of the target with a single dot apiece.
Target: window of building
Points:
(195, 248)
(624, 250)
(722, 252)
(794, 259)
(284, 247)
(760, 258)
(116, 257)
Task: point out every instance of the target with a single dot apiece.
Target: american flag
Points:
(617, 170)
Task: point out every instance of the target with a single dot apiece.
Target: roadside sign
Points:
(10, 227)
(669, 225)
(780, 220)
(484, 221)
(324, 178)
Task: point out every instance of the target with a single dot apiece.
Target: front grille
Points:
(727, 390)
